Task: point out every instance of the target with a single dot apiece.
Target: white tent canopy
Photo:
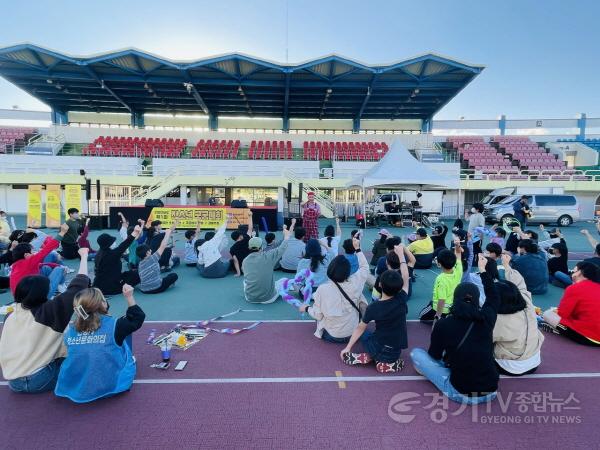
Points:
(400, 169)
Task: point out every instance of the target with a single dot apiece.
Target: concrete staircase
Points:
(324, 201)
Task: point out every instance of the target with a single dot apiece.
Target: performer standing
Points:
(310, 215)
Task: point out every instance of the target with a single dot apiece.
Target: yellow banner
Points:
(72, 197)
(207, 217)
(34, 206)
(53, 206)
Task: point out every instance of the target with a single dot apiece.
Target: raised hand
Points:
(481, 262)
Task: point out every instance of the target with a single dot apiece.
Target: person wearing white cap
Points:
(257, 267)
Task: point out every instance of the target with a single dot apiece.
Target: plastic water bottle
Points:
(165, 350)
(151, 336)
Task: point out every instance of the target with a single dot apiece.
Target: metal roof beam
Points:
(286, 98)
(195, 92)
(36, 55)
(367, 96)
(103, 85)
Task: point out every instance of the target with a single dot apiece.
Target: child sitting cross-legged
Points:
(445, 283)
(99, 360)
(190, 257)
(385, 345)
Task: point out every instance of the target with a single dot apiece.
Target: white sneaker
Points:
(69, 270)
(61, 288)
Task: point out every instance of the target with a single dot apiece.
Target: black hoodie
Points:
(472, 367)
(109, 278)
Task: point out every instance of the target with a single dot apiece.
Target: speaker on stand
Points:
(88, 194)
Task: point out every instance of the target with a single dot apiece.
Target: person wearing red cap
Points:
(310, 215)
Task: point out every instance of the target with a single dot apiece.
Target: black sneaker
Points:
(396, 366)
(356, 358)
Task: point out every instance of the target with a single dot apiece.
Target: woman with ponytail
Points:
(99, 360)
(332, 238)
(316, 261)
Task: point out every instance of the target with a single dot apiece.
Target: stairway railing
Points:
(324, 200)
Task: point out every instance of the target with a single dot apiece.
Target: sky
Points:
(542, 58)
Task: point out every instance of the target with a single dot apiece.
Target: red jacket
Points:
(31, 265)
(579, 309)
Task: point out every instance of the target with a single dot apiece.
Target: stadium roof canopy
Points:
(331, 87)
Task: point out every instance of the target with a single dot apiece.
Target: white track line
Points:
(337, 379)
(246, 321)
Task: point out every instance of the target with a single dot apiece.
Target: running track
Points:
(277, 386)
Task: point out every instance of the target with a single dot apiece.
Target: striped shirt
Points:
(149, 271)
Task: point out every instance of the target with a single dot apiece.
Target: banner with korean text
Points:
(34, 206)
(207, 217)
(52, 206)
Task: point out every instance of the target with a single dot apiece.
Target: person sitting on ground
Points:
(594, 244)
(210, 262)
(99, 361)
(6, 258)
(258, 266)
(422, 248)
(558, 268)
(239, 250)
(392, 262)
(316, 259)
(494, 251)
(294, 251)
(132, 259)
(83, 242)
(339, 303)
(26, 263)
(4, 231)
(532, 265)
(190, 257)
(332, 237)
(31, 344)
(379, 247)
(438, 237)
(496, 234)
(385, 345)
(548, 238)
(36, 238)
(110, 277)
(270, 242)
(350, 255)
(460, 360)
(149, 267)
(68, 244)
(390, 245)
(512, 242)
(154, 239)
(517, 339)
(578, 313)
(445, 284)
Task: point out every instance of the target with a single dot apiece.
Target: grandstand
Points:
(241, 124)
(14, 137)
